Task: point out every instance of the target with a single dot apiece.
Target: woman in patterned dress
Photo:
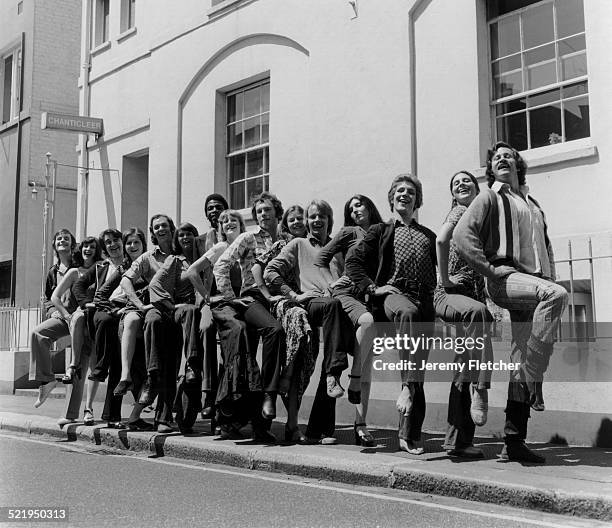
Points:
(459, 298)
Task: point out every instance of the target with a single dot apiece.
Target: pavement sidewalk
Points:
(575, 481)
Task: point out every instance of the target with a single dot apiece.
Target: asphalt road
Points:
(102, 487)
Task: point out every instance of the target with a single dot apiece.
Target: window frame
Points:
(101, 23)
(526, 95)
(128, 15)
(261, 146)
(14, 89)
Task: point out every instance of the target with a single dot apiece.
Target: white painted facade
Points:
(355, 99)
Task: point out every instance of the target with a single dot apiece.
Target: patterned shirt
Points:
(469, 282)
(146, 266)
(414, 259)
(245, 249)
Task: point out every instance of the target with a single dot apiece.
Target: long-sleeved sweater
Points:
(486, 235)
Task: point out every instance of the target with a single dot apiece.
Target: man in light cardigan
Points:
(503, 235)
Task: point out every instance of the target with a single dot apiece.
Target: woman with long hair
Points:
(134, 245)
(460, 298)
(359, 214)
(112, 299)
(55, 326)
(302, 342)
(87, 253)
(173, 297)
(220, 384)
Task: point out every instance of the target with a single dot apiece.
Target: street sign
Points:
(84, 124)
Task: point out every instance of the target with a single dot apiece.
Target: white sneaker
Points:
(44, 391)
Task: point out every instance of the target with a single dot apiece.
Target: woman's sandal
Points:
(363, 437)
(88, 417)
(72, 372)
(354, 397)
(414, 447)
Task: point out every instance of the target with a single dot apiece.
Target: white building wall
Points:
(323, 71)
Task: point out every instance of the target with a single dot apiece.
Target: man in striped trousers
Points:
(503, 235)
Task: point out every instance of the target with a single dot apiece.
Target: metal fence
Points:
(586, 279)
(16, 324)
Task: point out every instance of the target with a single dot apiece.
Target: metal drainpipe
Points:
(17, 174)
(412, 13)
(82, 180)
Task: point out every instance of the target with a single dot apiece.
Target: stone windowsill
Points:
(553, 154)
(126, 34)
(101, 48)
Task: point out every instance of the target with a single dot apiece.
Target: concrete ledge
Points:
(494, 483)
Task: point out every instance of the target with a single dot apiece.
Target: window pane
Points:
(266, 160)
(575, 66)
(106, 7)
(570, 17)
(254, 187)
(132, 17)
(234, 137)
(7, 89)
(507, 65)
(545, 125)
(575, 89)
(508, 84)
(513, 130)
(234, 107)
(251, 132)
(237, 195)
(251, 102)
(572, 45)
(236, 169)
(265, 98)
(538, 26)
(255, 163)
(505, 37)
(539, 55)
(543, 98)
(541, 75)
(576, 113)
(511, 106)
(541, 66)
(265, 128)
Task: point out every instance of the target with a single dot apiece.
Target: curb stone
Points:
(324, 464)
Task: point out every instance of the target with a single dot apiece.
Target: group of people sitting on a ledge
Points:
(146, 320)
